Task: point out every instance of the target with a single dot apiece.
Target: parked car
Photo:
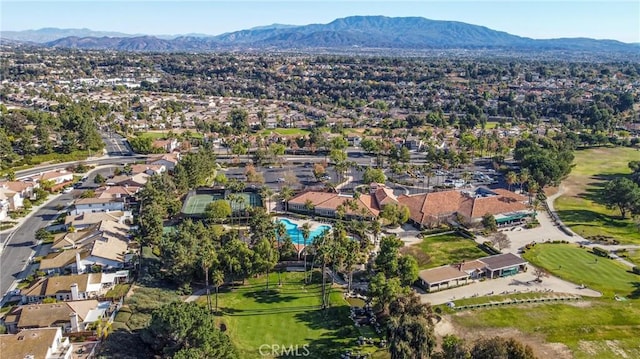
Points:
(67, 190)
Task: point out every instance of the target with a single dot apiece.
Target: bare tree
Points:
(540, 273)
(500, 240)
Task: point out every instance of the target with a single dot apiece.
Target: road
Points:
(115, 144)
(18, 244)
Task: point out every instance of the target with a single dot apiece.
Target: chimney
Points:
(79, 267)
(74, 322)
(74, 292)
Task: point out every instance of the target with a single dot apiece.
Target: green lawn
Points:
(579, 208)
(593, 332)
(287, 315)
(164, 134)
(443, 249)
(632, 255)
(287, 132)
(578, 265)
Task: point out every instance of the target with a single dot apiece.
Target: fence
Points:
(517, 301)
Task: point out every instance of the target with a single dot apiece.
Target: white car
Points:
(67, 190)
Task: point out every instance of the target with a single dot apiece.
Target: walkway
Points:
(34, 210)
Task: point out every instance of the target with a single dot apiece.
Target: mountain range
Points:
(350, 33)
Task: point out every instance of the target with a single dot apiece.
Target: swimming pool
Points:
(296, 234)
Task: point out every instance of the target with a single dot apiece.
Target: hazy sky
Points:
(619, 20)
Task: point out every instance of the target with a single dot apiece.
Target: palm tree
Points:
(266, 193)
(511, 178)
(306, 232)
(352, 257)
(281, 230)
(428, 173)
(285, 195)
(375, 229)
(208, 258)
(218, 279)
(309, 206)
(523, 178)
(532, 188)
(466, 176)
(232, 198)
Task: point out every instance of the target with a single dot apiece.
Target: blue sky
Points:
(619, 20)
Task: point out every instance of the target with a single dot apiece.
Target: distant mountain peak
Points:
(348, 33)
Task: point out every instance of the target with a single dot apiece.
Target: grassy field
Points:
(578, 265)
(287, 315)
(603, 330)
(632, 255)
(287, 132)
(579, 207)
(163, 134)
(597, 328)
(443, 249)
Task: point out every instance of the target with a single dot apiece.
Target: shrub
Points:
(123, 317)
(600, 252)
(115, 326)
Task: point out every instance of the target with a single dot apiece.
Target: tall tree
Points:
(306, 232)
(623, 194)
(186, 330)
(410, 328)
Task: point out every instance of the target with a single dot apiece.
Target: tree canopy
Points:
(187, 330)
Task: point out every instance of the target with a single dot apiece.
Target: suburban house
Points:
(150, 169)
(449, 276)
(84, 220)
(23, 190)
(62, 261)
(330, 204)
(4, 206)
(13, 199)
(413, 143)
(137, 180)
(44, 343)
(84, 205)
(70, 316)
(73, 287)
(167, 145)
(169, 161)
(354, 141)
(429, 209)
(59, 179)
(117, 192)
(104, 244)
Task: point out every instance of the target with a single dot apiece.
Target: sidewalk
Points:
(34, 210)
(348, 180)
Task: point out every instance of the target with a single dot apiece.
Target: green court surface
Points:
(195, 204)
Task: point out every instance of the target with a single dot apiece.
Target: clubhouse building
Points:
(426, 209)
(454, 275)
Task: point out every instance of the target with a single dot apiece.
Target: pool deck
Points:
(299, 222)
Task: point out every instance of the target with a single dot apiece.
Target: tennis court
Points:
(196, 203)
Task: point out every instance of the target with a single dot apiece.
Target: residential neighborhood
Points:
(257, 200)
